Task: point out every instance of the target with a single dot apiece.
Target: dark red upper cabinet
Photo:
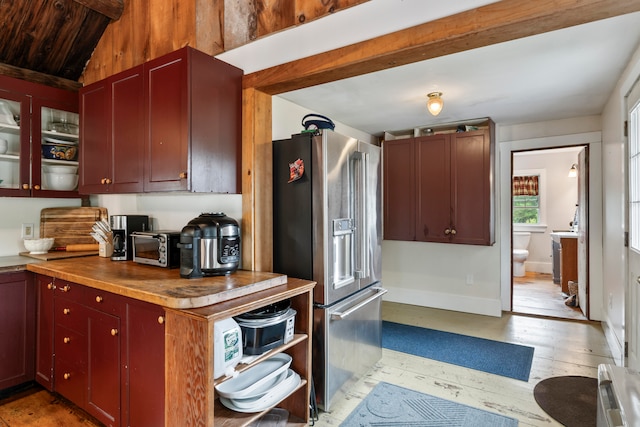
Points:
(194, 114)
(171, 124)
(35, 118)
(439, 188)
(112, 117)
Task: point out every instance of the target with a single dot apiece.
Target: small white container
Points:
(227, 346)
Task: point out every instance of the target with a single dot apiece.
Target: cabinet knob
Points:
(66, 311)
(183, 175)
(114, 332)
(453, 231)
(50, 286)
(25, 186)
(161, 320)
(103, 181)
(447, 231)
(66, 288)
(36, 187)
(66, 375)
(107, 180)
(66, 340)
(99, 298)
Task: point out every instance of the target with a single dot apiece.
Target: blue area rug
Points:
(391, 406)
(494, 357)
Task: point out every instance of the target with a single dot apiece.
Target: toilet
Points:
(520, 252)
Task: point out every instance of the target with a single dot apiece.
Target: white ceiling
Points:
(561, 74)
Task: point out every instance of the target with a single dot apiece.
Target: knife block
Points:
(105, 250)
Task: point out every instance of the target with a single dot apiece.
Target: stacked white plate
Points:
(261, 386)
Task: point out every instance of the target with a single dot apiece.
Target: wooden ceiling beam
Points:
(37, 77)
(110, 8)
(483, 26)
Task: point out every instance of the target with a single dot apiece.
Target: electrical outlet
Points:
(27, 231)
(469, 279)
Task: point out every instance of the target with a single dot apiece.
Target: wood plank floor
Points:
(561, 348)
(536, 294)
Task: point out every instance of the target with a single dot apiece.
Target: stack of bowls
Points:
(61, 177)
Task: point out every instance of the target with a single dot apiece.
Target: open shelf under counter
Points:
(190, 397)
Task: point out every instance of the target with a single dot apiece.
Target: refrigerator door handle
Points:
(362, 268)
(345, 314)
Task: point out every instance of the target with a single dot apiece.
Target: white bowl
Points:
(61, 181)
(38, 246)
(61, 169)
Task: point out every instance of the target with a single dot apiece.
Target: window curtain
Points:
(525, 185)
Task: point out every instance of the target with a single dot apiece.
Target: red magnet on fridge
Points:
(296, 170)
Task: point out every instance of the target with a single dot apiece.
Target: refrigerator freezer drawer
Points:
(349, 328)
(618, 396)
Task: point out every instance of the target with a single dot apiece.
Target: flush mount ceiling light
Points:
(573, 172)
(435, 103)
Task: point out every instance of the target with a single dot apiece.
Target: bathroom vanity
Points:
(565, 258)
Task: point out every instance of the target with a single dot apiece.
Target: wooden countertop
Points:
(157, 285)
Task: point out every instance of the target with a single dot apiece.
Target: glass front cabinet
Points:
(39, 140)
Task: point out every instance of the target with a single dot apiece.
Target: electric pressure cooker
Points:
(209, 246)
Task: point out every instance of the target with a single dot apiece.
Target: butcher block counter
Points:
(157, 285)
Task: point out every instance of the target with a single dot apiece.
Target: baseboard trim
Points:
(462, 303)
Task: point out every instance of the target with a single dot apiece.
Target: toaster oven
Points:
(158, 248)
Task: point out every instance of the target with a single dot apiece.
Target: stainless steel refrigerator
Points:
(327, 228)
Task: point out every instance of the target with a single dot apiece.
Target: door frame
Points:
(594, 141)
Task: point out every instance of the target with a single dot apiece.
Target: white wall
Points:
(15, 211)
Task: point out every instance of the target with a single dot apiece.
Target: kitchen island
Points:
(152, 317)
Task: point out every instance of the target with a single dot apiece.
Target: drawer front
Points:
(104, 301)
(70, 315)
(69, 290)
(70, 347)
(70, 381)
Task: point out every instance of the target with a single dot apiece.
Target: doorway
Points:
(545, 213)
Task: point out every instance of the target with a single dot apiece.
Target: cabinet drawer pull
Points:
(161, 320)
(114, 332)
(99, 298)
(66, 311)
(66, 375)
(66, 340)
(66, 288)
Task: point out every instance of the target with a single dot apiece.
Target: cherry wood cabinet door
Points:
(471, 188)
(17, 335)
(167, 113)
(127, 130)
(95, 158)
(399, 176)
(433, 192)
(144, 401)
(103, 367)
(112, 129)
(44, 331)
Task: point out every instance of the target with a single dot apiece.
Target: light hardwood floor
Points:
(535, 293)
(561, 348)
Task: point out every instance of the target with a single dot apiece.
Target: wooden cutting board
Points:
(52, 255)
(70, 226)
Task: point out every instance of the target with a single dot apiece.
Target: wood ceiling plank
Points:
(110, 8)
(494, 23)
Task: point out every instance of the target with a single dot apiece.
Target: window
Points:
(526, 199)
